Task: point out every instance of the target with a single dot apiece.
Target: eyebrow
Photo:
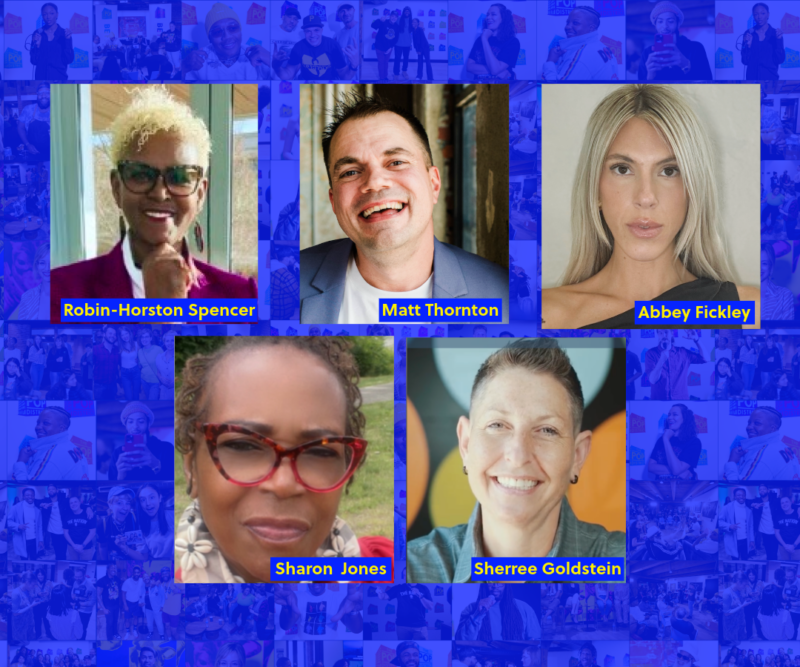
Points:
(630, 160)
(545, 416)
(268, 430)
(349, 159)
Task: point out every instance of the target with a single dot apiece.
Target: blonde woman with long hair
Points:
(645, 215)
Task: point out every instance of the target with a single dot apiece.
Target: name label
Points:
(330, 569)
(440, 310)
(159, 310)
(548, 569)
(670, 313)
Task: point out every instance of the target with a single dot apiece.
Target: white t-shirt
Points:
(360, 303)
(241, 70)
(29, 514)
(740, 513)
(346, 36)
(284, 41)
(55, 526)
(765, 525)
(134, 590)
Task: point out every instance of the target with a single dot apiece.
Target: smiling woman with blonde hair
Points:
(160, 154)
(645, 215)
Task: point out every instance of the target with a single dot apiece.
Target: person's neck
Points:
(531, 540)
(631, 280)
(229, 61)
(399, 270)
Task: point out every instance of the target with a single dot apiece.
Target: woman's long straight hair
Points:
(698, 246)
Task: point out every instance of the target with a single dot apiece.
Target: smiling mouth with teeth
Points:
(396, 205)
(516, 483)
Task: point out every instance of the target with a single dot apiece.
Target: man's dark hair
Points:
(146, 648)
(49, 4)
(292, 11)
(355, 106)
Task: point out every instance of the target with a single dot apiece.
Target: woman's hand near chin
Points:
(167, 275)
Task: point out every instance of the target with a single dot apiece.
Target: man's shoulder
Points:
(480, 273)
(315, 256)
(321, 249)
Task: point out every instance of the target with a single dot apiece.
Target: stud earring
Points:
(574, 480)
(464, 468)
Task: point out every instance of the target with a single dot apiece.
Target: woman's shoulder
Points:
(572, 306)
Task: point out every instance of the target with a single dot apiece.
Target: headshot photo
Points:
(245, 406)
(530, 477)
(670, 41)
(151, 216)
(753, 42)
(406, 41)
(647, 192)
(579, 41)
(48, 41)
(139, 42)
(221, 42)
(373, 203)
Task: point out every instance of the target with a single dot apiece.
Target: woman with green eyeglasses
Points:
(270, 429)
(160, 151)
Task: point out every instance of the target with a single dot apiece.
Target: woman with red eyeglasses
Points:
(271, 435)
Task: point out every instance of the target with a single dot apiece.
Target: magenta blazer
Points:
(105, 277)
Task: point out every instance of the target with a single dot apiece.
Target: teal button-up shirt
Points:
(445, 554)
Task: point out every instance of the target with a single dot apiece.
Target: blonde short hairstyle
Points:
(698, 246)
(152, 109)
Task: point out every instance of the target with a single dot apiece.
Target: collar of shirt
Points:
(134, 273)
(473, 542)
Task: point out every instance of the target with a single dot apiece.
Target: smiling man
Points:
(582, 56)
(383, 189)
(52, 454)
(762, 455)
(521, 446)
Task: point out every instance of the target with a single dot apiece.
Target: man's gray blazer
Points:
(457, 274)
